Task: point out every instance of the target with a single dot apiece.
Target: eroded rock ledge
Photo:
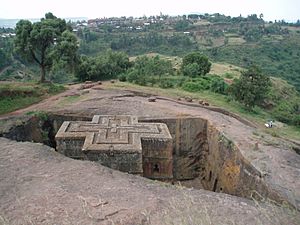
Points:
(41, 186)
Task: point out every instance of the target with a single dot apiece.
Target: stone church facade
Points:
(120, 142)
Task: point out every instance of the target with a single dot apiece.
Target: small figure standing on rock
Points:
(269, 124)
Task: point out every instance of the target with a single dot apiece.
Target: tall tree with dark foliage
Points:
(46, 42)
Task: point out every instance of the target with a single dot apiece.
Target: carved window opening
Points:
(215, 185)
(156, 168)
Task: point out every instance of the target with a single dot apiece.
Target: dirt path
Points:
(46, 104)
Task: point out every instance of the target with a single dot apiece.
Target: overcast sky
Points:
(271, 9)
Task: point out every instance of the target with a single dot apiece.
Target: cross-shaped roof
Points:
(113, 133)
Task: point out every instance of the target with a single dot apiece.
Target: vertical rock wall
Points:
(189, 145)
(226, 170)
(157, 159)
(200, 153)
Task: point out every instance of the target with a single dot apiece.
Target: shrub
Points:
(153, 66)
(102, 67)
(191, 70)
(251, 88)
(195, 86)
(228, 75)
(136, 78)
(132, 76)
(166, 84)
(150, 70)
(218, 86)
(180, 81)
(55, 88)
(283, 112)
(191, 86)
(195, 64)
(122, 77)
(142, 80)
(296, 120)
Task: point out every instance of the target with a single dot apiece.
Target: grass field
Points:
(222, 69)
(236, 41)
(11, 104)
(218, 68)
(17, 95)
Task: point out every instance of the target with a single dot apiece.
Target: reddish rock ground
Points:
(39, 186)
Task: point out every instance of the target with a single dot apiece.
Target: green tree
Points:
(218, 86)
(149, 69)
(182, 25)
(45, 42)
(153, 66)
(5, 52)
(83, 68)
(252, 87)
(195, 64)
(105, 66)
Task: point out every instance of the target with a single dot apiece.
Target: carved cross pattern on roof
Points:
(106, 133)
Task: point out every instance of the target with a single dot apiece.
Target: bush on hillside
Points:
(122, 77)
(196, 85)
(284, 102)
(102, 67)
(218, 86)
(296, 120)
(150, 70)
(166, 84)
(251, 88)
(195, 64)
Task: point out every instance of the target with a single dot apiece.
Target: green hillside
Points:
(277, 56)
(275, 47)
(149, 50)
(240, 41)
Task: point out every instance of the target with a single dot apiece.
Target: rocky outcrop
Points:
(41, 186)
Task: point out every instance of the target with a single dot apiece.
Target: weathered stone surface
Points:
(189, 145)
(275, 158)
(188, 99)
(152, 99)
(116, 141)
(40, 186)
(203, 157)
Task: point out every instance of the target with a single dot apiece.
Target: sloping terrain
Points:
(40, 186)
